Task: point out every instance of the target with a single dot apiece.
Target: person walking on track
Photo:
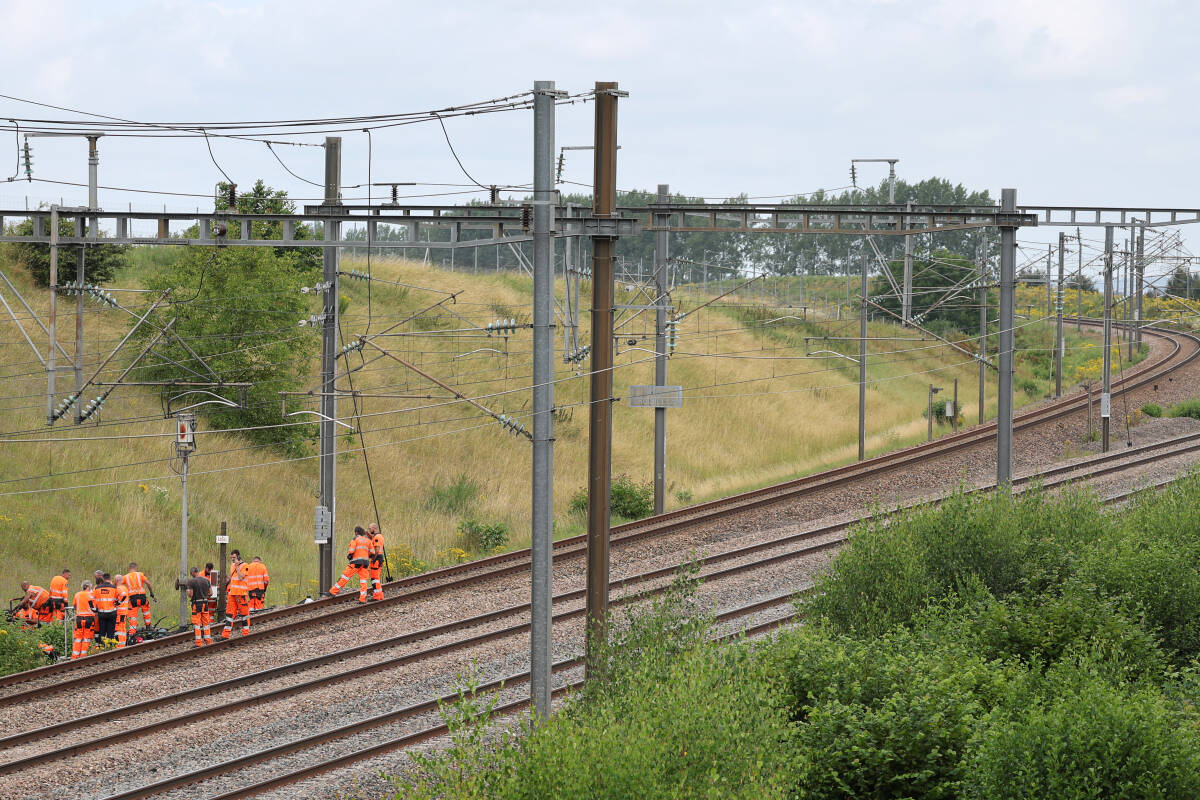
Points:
(378, 554)
(199, 590)
(237, 598)
(359, 556)
(60, 587)
(85, 621)
(138, 586)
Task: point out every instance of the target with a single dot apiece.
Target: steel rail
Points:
(1090, 468)
(665, 523)
(407, 712)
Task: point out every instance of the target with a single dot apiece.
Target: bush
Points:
(1187, 408)
(629, 499)
(455, 497)
(1029, 387)
(19, 649)
(1152, 410)
(1096, 741)
(483, 537)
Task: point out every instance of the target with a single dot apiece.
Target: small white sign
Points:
(950, 409)
(1105, 405)
(655, 396)
(222, 540)
(322, 525)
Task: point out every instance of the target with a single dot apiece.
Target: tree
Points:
(237, 308)
(262, 199)
(933, 279)
(101, 261)
(1184, 285)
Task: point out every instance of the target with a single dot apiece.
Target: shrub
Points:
(483, 537)
(100, 261)
(455, 497)
(402, 562)
(1095, 741)
(1187, 408)
(19, 649)
(1152, 410)
(1029, 387)
(629, 499)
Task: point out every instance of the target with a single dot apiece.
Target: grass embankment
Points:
(992, 647)
(752, 415)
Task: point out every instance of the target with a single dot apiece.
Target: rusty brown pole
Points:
(604, 200)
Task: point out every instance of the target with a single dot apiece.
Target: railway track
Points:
(745, 559)
(1185, 349)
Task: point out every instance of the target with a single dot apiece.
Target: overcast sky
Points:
(1088, 103)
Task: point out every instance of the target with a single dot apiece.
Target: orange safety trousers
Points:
(202, 623)
(357, 566)
(237, 607)
(376, 575)
(125, 616)
(139, 601)
(85, 630)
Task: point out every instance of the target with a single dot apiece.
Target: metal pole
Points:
(1079, 284)
(223, 561)
(1049, 295)
(51, 359)
(183, 542)
(661, 245)
(600, 408)
(329, 350)
(862, 362)
(79, 280)
(1106, 385)
(954, 414)
(542, 538)
(983, 315)
(1060, 344)
(1004, 397)
(1140, 266)
(906, 301)
(1129, 297)
(929, 413)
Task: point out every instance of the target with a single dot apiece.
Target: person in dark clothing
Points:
(199, 589)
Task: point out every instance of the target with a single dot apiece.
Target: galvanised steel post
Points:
(542, 538)
(862, 362)
(906, 288)
(604, 200)
(1059, 343)
(661, 245)
(1140, 266)
(1106, 378)
(1004, 395)
(51, 359)
(983, 315)
(329, 349)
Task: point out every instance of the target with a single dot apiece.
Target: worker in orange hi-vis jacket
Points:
(237, 598)
(258, 579)
(104, 601)
(124, 612)
(378, 554)
(85, 621)
(33, 603)
(138, 586)
(60, 587)
(359, 556)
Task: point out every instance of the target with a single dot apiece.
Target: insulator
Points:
(493, 192)
(232, 199)
(28, 162)
(92, 407)
(526, 216)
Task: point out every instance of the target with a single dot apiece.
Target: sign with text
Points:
(655, 396)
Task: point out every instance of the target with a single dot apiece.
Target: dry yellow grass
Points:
(752, 420)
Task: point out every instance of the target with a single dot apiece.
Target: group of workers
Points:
(366, 556)
(109, 608)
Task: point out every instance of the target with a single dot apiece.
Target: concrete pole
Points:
(906, 300)
(1004, 398)
(1106, 385)
(929, 413)
(661, 245)
(542, 538)
(862, 362)
(51, 358)
(329, 350)
(1059, 342)
(600, 407)
(983, 315)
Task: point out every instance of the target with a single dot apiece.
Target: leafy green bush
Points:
(483, 537)
(19, 649)
(1152, 410)
(1187, 408)
(100, 261)
(1029, 387)
(1096, 741)
(455, 497)
(629, 499)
